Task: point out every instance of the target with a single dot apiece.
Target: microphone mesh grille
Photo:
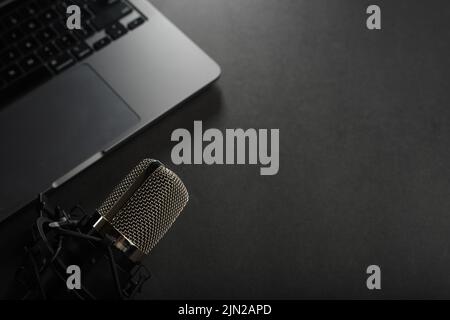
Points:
(122, 187)
(153, 208)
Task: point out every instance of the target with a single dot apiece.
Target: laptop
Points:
(67, 97)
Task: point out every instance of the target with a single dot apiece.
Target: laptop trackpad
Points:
(53, 130)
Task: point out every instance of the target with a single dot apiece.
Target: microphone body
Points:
(142, 208)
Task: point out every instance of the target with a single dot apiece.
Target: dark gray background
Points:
(364, 155)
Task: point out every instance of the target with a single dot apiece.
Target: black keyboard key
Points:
(31, 25)
(60, 27)
(116, 30)
(100, 44)
(10, 55)
(85, 15)
(29, 63)
(62, 7)
(81, 51)
(61, 62)
(24, 84)
(46, 35)
(136, 23)
(29, 11)
(65, 41)
(48, 51)
(49, 16)
(85, 32)
(46, 3)
(110, 14)
(11, 73)
(97, 6)
(12, 21)
(13, 35)
(28, 45)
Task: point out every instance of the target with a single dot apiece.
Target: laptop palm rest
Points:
(53, 130)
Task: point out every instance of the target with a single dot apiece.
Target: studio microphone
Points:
(107, 246)
(142, 208)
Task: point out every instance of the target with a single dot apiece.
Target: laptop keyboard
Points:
(35, 43)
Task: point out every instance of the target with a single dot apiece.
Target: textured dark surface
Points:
(365, 159)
